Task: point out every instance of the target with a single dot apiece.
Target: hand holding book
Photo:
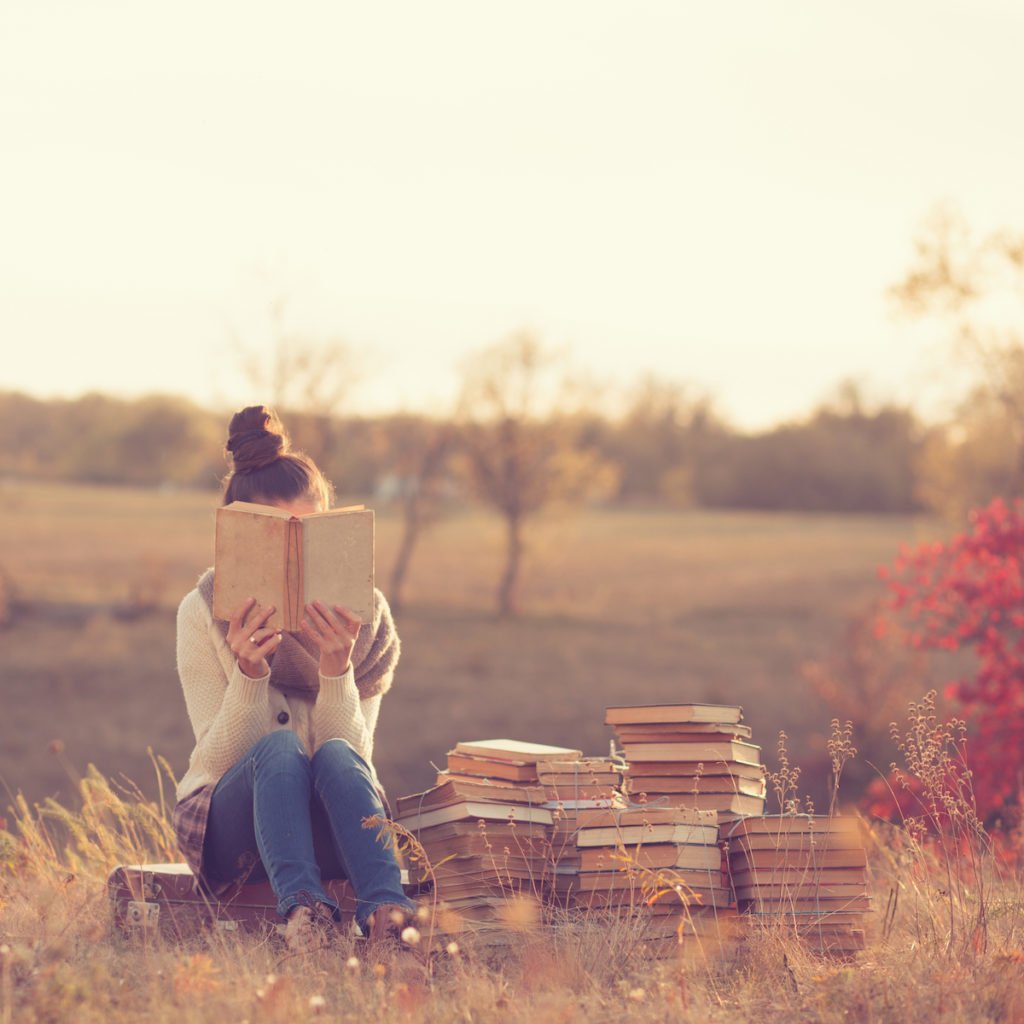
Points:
(334, 633)
(250, 639)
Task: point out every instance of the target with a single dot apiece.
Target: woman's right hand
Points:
(249, 638)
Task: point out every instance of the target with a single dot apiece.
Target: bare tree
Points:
(523, 449)
(422, 448)
(307, 380)
(977, 286)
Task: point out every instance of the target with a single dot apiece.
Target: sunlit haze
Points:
(717, 193)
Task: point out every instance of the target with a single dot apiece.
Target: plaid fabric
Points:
(189, 820)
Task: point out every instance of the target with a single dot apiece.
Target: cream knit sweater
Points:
(230, 712)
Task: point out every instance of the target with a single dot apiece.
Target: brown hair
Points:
(264, 469)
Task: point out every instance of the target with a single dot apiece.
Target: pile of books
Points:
(660, 868)
(572, 787)
(690, 755)
(486, 832)
(805, 872)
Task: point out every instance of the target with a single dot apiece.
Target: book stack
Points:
(629, 856)
(584, 784)
(690, 755)
(486, 832)
(808, 872)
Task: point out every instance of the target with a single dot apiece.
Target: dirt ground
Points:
(619, 606)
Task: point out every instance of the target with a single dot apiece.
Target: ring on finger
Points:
(253, 640)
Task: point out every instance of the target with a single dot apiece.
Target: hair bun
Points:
(255, 439)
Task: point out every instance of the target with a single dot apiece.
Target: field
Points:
(618, 607)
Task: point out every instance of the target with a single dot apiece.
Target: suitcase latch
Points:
(139, 914)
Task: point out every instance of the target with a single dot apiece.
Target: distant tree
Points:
(422, 448)
(306, 380)
(963, 463)
(523, 447)
(659, 440)
(976, 286)
(846, 457)
(100, 439)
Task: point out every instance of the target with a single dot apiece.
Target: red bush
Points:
(968, 594)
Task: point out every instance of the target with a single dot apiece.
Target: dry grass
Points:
(59, 959)
(621, 605)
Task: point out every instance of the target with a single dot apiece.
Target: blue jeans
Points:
(275, 806)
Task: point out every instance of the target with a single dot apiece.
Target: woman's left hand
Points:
(335, 634)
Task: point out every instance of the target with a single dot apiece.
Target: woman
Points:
(282, 774)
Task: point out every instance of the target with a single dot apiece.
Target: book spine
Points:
(294, 586)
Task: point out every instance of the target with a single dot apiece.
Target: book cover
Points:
(287, 561)
(516, 750)
(654, 713)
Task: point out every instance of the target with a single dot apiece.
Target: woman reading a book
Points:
(282, 774)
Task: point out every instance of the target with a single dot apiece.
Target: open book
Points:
(287, 561)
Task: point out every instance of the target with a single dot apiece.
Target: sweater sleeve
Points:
(340, 714)
(228, 715)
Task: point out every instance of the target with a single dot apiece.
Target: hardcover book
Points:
(287, 561)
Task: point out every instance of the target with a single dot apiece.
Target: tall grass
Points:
(927, 959)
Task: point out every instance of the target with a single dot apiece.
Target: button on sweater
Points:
(229, 711)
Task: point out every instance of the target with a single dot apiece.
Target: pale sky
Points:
(716, 193)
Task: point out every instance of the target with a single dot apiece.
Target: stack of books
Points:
(805, 872)
(584, 784)
(658, 867)
(486, 831)
(690, 755)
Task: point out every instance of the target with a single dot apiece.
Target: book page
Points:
(249, 560)
(338, 560)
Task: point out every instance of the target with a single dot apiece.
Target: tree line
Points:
(520, 439)
(664, 449)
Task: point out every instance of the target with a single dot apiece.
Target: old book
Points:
(549, 778)
(584, 766)
(632, 900)
(695, 729)
(471, 810)
(810, 908)
(723, 750)
(444, 776)
(690, 769)
(484, 845)
(697, 783)
(451, 792)
(796, 891)
(521, 835)
(656, 855)
(797, 876)
(491, 768)
(788, 825)
(646, 816)
(734, 803)
(516, 750)
(486, 865)
(652, 713)
(609, 881)
(798, 843)
(567, 793)
(630, 835)
(807, 858)
(287, 561)
(651, 731)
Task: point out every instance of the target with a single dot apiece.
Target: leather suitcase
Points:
(150, 899)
